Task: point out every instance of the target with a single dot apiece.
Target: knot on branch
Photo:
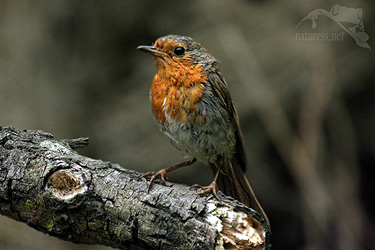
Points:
(65, 184)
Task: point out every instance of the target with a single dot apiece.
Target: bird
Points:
(194, 109)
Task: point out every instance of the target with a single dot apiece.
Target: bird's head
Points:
(174, 52)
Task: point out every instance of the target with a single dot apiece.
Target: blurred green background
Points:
(307, 108)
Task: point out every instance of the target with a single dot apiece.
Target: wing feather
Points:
(220, 90)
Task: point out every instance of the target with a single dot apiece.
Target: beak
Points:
(152, 50)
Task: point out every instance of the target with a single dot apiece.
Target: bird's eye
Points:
(179, 51)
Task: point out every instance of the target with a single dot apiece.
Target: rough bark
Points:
(53, 189)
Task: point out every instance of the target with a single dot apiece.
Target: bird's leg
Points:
(210, 188)
(162, 173)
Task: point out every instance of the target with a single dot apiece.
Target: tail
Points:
(233, 182)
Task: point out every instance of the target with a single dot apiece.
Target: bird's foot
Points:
(161, 174)
(208, 189)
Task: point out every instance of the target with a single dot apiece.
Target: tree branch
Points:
(53, 189)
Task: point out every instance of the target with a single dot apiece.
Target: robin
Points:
(194, 109)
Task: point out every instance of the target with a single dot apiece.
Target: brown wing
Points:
(220, 89)
(234, 182)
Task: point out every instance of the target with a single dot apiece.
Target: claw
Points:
(162, 174)
(196, 186)
(208, 189)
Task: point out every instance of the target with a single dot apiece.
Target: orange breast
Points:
(175, 92)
